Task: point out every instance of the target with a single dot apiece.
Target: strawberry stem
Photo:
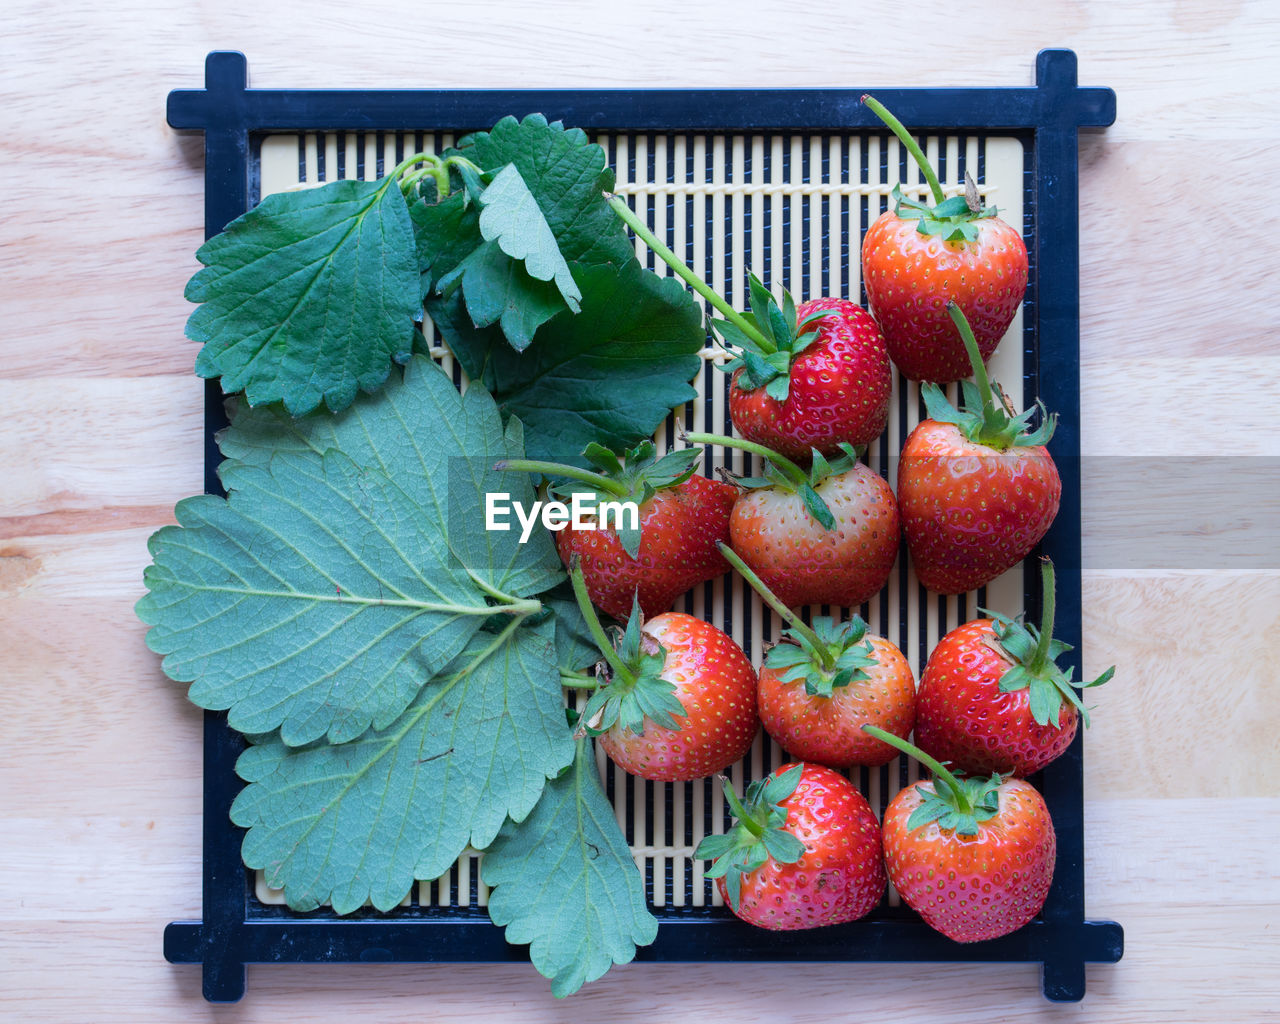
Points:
(628, 217)
(593, 624)
(1041, 657)
(789, 469)
(962, 801)
(913, 147)
(597, 480)
(975, 358)
(769, 598)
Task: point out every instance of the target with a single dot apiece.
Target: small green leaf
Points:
(779, 388)
(734, 336)
(499, 290)
(511, 217)
(816, 507)
(780, 786)
(565, 883)
(782, 846)
(309, 297)
(762, 306)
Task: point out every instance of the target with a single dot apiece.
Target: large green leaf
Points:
(309, 296)
(360, 821)
(439, 447)
(565, 882)
(609, 374)
(326, 589)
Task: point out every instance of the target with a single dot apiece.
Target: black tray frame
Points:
(237, 930)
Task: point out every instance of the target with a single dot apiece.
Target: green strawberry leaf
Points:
(359, 822)
(326, 589)
(610, 374)
(565, 883)
(499, 290)
(512, 218)
(567, 175)
(308, 297)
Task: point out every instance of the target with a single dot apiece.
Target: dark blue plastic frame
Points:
(236, 930)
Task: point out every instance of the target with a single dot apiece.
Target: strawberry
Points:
(681, 519)
(917, 258)
(977, 489)
(992, 698)
(826, 535)
(819, 685)
(813, 390)
(974, 857)
(679, 701)
(816, 376)
(806, 851)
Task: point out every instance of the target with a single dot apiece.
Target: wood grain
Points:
(101, 434)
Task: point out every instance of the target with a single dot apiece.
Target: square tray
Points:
(730, 179)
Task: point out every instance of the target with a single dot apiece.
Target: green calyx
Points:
(635, 691)
(757, 835)
(765, 356)
(635, 476)
(981, 419)
(953, 220)
(826, 655)
(782, 473)
(957, 803)
(1034, 654)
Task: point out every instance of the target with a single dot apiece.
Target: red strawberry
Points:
(828, 535)
(815, 391)
(680, 701)
(682, 518)
(992, 698)
(976, 489)
(806, 851)
(821, 684)
(974, 857)
(814, 377)
(916, 259)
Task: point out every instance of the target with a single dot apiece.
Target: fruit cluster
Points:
(973, 849)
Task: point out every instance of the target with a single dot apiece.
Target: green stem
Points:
(789, 469)
(975, 358)
(593, 625)
(597, 480)
(462, 161)
(913, 147)
(769, 598)
(911, 750)
(642, 231)
(578, 681)
(1041, 657)
(435, 167)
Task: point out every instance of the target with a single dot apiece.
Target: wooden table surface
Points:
(100, 754)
